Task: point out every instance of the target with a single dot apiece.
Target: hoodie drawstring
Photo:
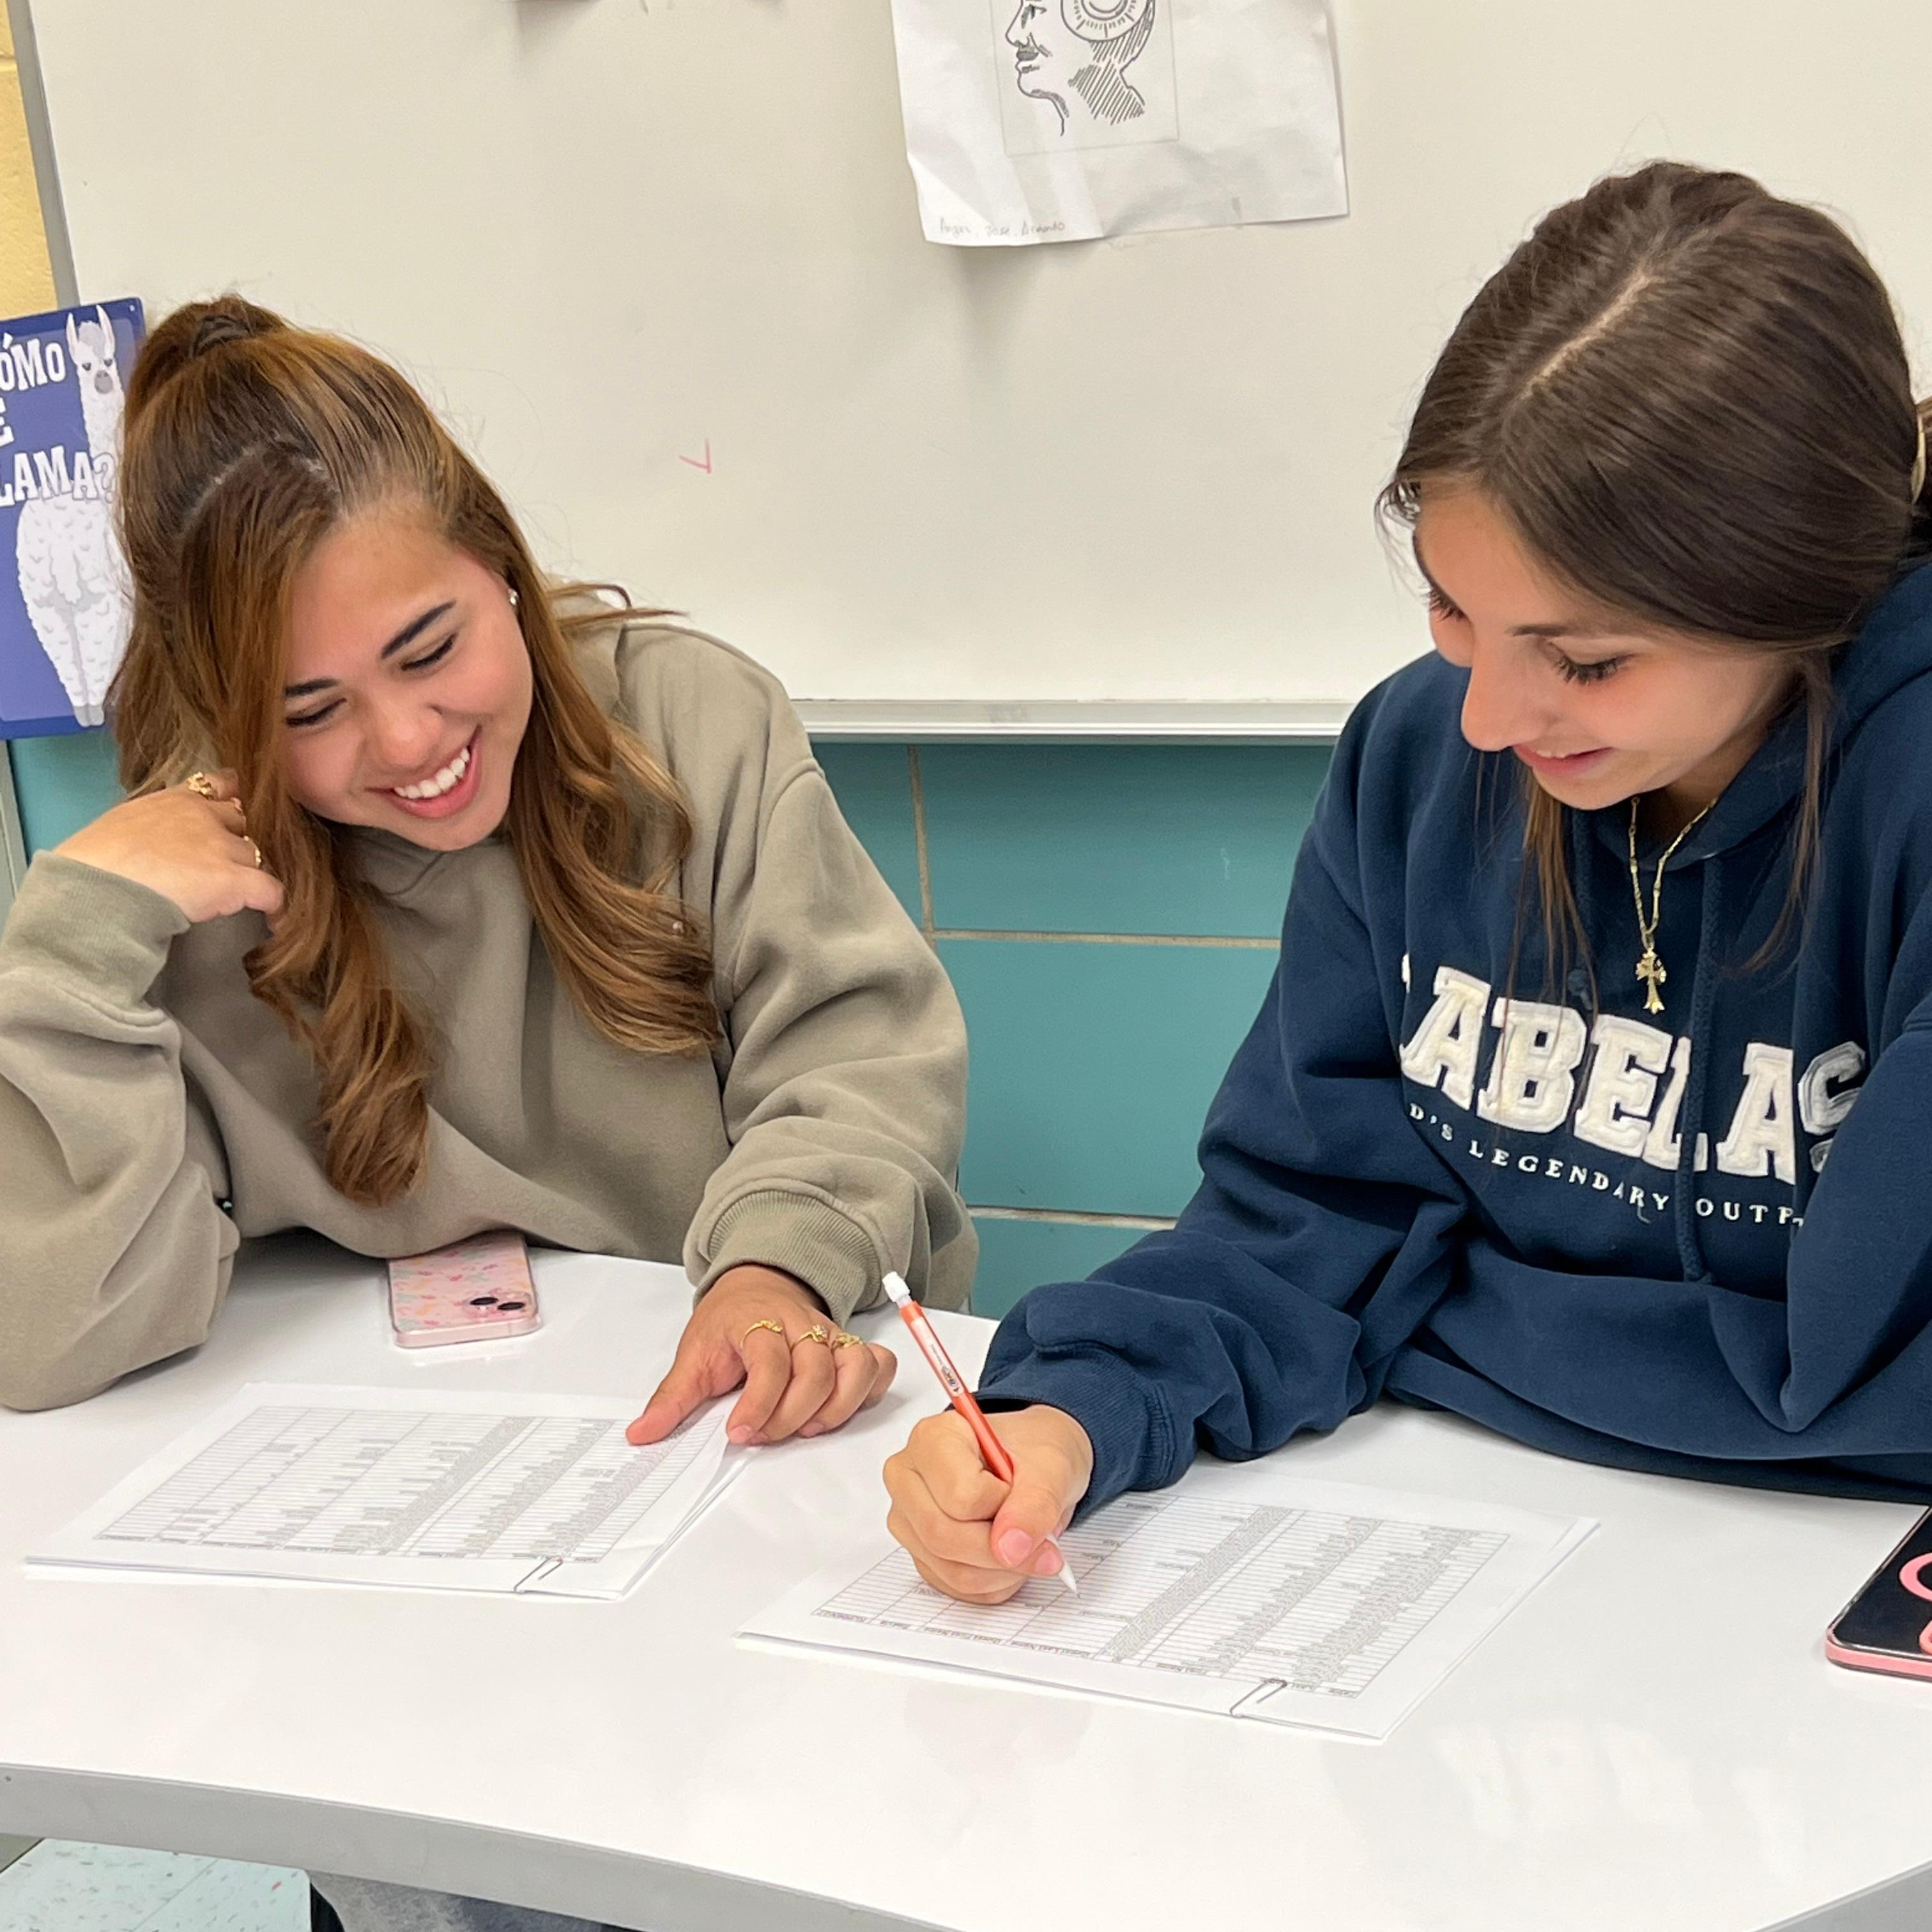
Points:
(1583, 873)
(1703, 998)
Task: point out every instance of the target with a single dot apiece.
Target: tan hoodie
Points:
(153, 1114)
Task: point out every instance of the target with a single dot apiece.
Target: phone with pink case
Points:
(1887, 1625)
(478, 1290)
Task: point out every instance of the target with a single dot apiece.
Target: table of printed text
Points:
(394, 1482)
(1318, 1601)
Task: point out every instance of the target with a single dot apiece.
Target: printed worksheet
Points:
(414, 1488)
(1247, 1592)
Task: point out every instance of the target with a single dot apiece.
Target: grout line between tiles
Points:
(1213, 940)
(1067, 1217)
(918, 839)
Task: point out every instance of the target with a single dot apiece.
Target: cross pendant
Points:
(1650, 970)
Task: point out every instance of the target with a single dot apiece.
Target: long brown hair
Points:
(246, 442)
(1691, 400)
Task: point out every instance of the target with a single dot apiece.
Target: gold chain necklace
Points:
(1650, 967)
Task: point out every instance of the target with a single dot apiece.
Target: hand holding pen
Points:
(979, 1511)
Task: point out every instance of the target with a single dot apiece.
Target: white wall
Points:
(611, 233)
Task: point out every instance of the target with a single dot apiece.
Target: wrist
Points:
(1080, 1444)
(756, 1277)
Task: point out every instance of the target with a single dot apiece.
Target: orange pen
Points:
(992, 1451)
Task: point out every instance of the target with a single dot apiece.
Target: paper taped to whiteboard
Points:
(1030, 120)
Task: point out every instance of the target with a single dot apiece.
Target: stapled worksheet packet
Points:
(1253, 1592)
(416, 1488)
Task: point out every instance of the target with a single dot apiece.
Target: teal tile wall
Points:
(1139, 838)
(1109, 915)
(873, 784)
(1016, 1254)
(1093, 1062)
(62, 783)
(1157, 875)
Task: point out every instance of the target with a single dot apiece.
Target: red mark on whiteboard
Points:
(702, 463)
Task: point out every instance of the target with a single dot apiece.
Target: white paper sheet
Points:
(1033, 121)
(426, 1490)
(1250, 1592)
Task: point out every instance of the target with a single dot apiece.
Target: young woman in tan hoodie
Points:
(444, 900)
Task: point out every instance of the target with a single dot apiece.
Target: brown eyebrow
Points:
(403, 638)
(1545, 631)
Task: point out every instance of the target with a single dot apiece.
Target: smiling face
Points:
(1598, 712)
(408, 685)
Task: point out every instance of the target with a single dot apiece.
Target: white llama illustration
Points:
(74, 580)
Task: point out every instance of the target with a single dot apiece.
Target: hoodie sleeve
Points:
(114, 1249)
(845, 1098)
(842, 1076)
(1323, 1232)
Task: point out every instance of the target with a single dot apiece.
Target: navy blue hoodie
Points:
(1698, 1242)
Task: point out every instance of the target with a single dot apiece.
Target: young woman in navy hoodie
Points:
(1593, 1096)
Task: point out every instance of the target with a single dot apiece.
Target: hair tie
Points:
(222, 325)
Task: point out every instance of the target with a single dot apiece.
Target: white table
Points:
(1653, 1743)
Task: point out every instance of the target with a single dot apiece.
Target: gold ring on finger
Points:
(200, 784)
(848, 1341)
(260, 861)
(776, 1327)
(816, 1333)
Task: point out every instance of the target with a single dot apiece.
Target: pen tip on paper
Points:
(1066, 1577)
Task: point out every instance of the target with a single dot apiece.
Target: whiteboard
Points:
(621, 240)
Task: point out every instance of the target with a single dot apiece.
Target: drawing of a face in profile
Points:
(1074, 58)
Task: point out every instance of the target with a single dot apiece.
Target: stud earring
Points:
(512, 589)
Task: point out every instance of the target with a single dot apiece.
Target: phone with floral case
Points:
(476, 1290)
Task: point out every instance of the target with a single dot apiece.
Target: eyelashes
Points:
(427, 662)
(436, 656)
(1572, 670)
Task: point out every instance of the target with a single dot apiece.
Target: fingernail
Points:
(756, 1440)
(1049, 1562)
(738, 1433)
(1015, 1547)
(811, 1428)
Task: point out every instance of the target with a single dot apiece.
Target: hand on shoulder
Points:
(190, 847)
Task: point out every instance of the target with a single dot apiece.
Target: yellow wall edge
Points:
(26, 276)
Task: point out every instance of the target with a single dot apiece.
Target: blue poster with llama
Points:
(65, 597)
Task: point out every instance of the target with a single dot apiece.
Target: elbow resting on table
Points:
(55, 1371)
(45, 1382)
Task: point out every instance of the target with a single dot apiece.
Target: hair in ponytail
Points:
(1691, 400)
(245, 442)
